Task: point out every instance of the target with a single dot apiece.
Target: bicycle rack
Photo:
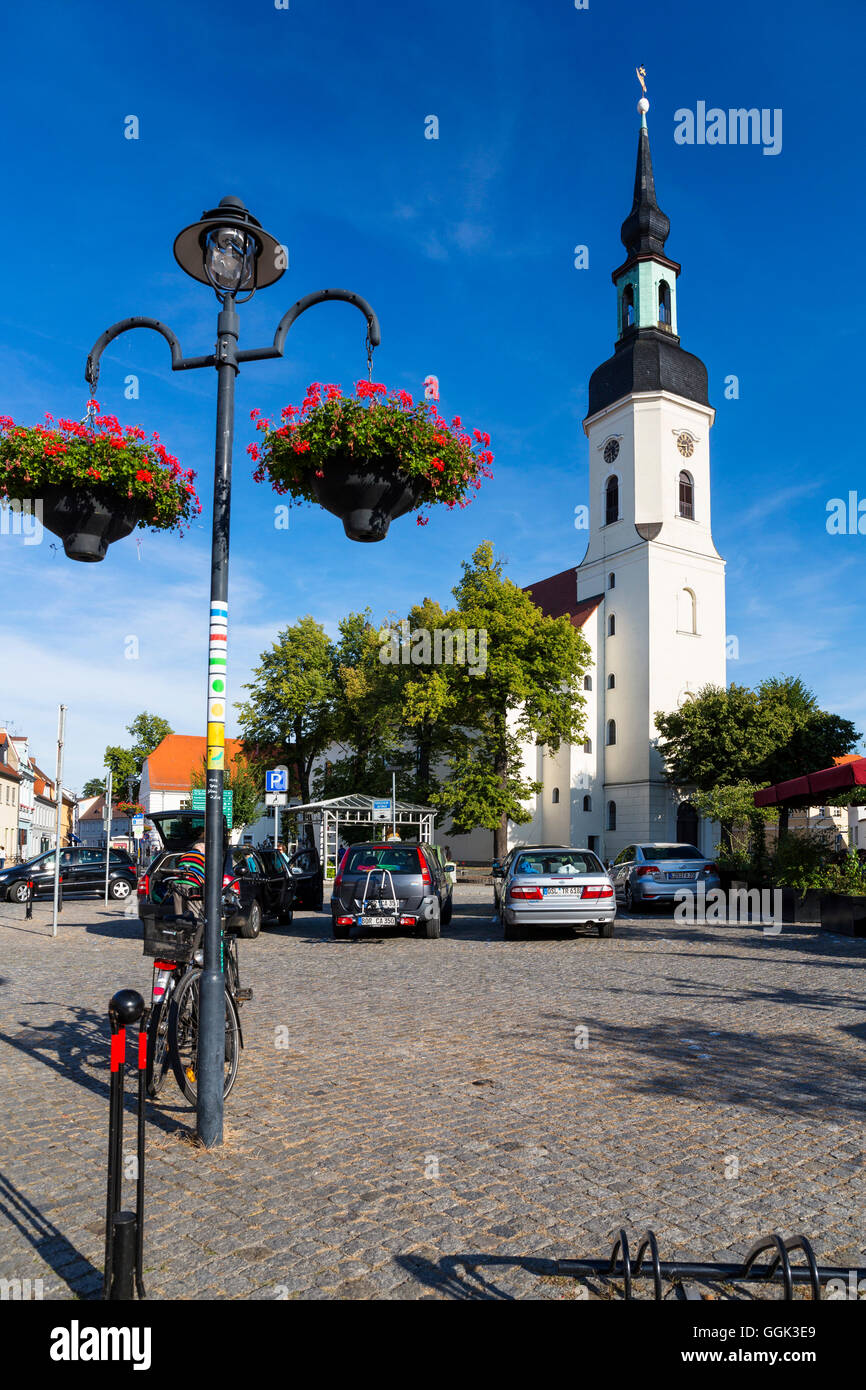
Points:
(383, 874)
(621, 1266)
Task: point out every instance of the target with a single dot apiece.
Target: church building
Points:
(649, 594)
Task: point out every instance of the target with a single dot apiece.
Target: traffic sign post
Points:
(276, 795)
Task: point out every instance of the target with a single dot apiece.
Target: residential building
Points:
(10, 780)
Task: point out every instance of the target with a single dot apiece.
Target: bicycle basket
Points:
(172, 941)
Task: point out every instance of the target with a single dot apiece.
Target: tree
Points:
(124, 769)
(530, 688)
(289, 716)
(813, 738)
(148, 732)
(95, 786)
(243, 780)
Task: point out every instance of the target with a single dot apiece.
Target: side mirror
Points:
(498, 871)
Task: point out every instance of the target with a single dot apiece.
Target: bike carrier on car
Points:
(647, 1265)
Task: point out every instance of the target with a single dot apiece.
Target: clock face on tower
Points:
(611, 450)
(686, 445)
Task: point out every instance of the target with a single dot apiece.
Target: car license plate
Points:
(561, 892)
(691, 877)
(376, 921)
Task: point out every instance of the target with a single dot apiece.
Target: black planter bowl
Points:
(366, 494)
(86, 521)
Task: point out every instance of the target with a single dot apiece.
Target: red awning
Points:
(818, 785)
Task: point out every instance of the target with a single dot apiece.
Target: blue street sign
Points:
(277, 780)
(382, 808)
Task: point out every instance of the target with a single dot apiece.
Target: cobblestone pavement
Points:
(417, 1119)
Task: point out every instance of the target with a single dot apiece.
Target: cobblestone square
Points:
(427, 1119)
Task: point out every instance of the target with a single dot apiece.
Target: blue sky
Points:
(315, 116)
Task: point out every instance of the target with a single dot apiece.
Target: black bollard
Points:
(28, 912)
(122, 1243)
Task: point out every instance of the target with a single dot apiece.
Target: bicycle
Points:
(172, 1033)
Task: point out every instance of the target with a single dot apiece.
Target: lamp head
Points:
(229, 249)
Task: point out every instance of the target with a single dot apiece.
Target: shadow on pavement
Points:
(469, 1276)
(81, 1277)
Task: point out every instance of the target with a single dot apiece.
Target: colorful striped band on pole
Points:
(216, 686)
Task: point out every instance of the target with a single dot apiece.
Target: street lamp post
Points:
(229, 250)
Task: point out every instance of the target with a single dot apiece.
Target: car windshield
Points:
(670, 852)
(398, 859)
(570, 861)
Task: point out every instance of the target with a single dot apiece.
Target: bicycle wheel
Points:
(157, 1048)
(183, 1027)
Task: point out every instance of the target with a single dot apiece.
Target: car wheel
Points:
(253, 925)
(341, 933)
(433, 927)
(631, 904)
(20, 893)
(447, 911)
(606, 928)
(119, 888)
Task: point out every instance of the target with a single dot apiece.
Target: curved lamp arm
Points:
(179, 363)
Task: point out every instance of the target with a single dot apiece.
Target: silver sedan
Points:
(552, 886)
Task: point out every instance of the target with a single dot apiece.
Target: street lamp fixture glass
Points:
(229, 258)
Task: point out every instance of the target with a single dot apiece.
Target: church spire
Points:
(645, 230)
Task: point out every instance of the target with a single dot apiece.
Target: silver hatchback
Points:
(552, 886)
(645, 874)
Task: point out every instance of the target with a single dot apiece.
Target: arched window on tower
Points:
(587, 803)
(628, 307)
(687, 823)
(587, 682)
(611, 580)
(611, 815)
(664, 303)
(687, 495)
(554, 796)
(611, 625)
(611, 732)
(587, 745)
(611, 501)
(611, 681)
(687, 611)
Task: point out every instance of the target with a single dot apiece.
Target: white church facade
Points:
(649, 594)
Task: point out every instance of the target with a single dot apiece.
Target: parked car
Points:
(645, 874)
(391, 885)
(244, 873)
(281, 885)
(552, 886)
(81, 871)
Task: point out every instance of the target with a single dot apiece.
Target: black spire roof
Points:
(646, 358)
(645, 229)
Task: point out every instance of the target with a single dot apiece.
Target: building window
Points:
(611, 501)
(611, 732)
(664, 303)
(587, 803)
(687, 496)
(687, 611)
(554, 796)
(611, 815)
(587, 745)
(611, 625)
(611, 681)
(587, 682)
(611, 581)
(628, 307)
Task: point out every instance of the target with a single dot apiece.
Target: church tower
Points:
(656, 578)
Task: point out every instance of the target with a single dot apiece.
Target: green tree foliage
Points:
(290, 714)
(94, 787)
(148, 731)
(531, 689)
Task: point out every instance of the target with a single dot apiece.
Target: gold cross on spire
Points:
(641, 74)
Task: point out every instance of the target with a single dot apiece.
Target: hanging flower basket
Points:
(370, 457)
(91, 485)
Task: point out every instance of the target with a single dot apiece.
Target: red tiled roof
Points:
(557, 597)
(173, 762)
